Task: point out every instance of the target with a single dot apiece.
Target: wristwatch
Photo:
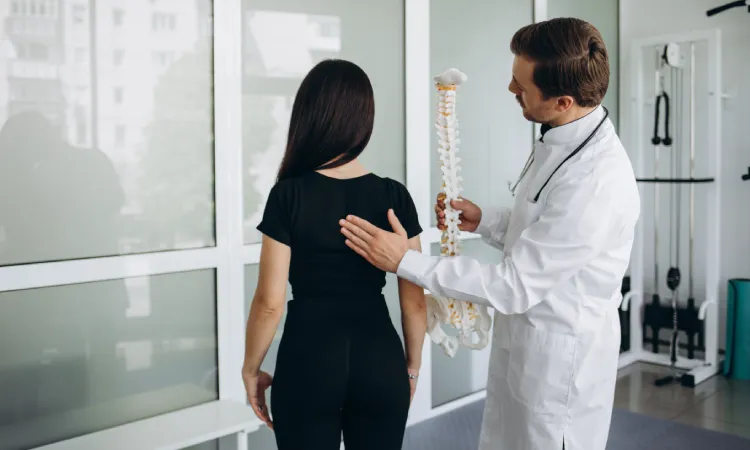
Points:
(413, 377)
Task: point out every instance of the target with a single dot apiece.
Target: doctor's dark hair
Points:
(570, 59)
(332, 119)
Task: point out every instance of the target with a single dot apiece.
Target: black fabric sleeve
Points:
(276, 217)
(405, 210)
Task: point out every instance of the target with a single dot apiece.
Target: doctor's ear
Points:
(564, 103)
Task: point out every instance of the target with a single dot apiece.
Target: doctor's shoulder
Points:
(614, 180)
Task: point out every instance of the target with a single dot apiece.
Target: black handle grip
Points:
(722, 8)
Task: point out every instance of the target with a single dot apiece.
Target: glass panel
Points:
(275, 63)
(495, 138)
(466, 372)
(605, 16)
(85, 357)
(106, 130)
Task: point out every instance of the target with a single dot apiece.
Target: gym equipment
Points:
(737, 359)
(730, 5)
(695, 317)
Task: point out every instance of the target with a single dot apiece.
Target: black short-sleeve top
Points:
(304, 213)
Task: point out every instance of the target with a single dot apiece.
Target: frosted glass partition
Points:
(264, 439)
(466, 372)
(84, 357)
(106, 128)
(282, 41)
(605, 16)
(495, 138)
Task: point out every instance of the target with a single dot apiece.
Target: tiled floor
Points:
(717, 404)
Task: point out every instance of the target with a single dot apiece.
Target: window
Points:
(168, 121)
(79, 14)
(163, 22)
(118, 17)
(117, 57)
(117, 95)
(100, 348)
(484, 169)
(38, 52)
(81, 130)
(162, 59)
(85, 346)
(81, 55)
(119, 135)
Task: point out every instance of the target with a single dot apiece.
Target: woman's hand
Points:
(412, 383)
(256, 386)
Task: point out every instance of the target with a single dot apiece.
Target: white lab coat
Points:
(556, 337)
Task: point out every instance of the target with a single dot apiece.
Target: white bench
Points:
(172, 431)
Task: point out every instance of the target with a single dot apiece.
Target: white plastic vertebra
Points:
(466, 317)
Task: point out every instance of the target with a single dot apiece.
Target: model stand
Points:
(469, 319)
(695, 315)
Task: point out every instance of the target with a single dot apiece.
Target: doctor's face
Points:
(534, 106)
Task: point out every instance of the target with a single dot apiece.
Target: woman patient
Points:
(341, 367)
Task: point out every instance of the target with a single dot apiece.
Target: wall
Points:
(643, 18)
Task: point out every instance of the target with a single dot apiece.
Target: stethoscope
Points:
(572, 154)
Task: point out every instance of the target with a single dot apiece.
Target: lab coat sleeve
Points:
(493, 226)
(577, 221)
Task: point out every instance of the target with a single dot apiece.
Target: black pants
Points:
(340, 370)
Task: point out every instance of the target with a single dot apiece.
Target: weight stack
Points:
(658, 317)
(737, 357)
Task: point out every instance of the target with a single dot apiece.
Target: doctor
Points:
(567, 244)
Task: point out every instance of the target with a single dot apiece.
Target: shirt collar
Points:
(574, 131)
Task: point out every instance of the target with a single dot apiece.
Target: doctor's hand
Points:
(380, 248)
(470, 216)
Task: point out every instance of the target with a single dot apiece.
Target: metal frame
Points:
(633, 301)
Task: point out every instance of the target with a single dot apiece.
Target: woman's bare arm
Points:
(413, 317)
(268, 303)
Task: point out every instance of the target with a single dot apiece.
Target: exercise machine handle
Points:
(626, 300)
(702, 309)
(722, 8)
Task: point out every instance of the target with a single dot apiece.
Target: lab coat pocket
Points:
(540, 370)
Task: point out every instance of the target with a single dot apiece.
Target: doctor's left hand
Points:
(381, 248)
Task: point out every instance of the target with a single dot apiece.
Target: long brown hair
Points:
(332, 119)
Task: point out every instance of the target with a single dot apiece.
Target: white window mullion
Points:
(418, 90)
(418, 157)
(229, 207)
(30, 276)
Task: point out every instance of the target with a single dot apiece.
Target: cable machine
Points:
(692, 319)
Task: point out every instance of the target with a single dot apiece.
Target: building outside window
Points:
(119, 135)
(117, 57)
(117, 95)
(118, 17)
(79, 14)
(163, 22)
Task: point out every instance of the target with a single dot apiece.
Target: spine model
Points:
(466, 317)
